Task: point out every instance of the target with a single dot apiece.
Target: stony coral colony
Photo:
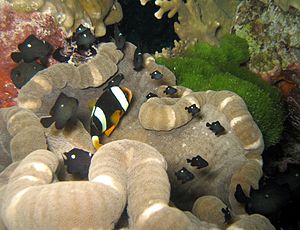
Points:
(124, 134)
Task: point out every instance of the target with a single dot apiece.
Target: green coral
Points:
(205, 67)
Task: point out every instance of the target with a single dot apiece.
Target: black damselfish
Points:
(24, 71)
(156, 75)
(184, 175)
(84, 38)
(63, 111)
(193, 109)
(115, 81)
(149, 95)
(227, 215)
(78, 162)
(32, 49)
(198, 162)
(138, 59)
(119, 38)
(216, 127)
(170, 90)
(268, 200)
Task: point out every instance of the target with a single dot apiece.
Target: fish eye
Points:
(73, 156)
(267, 196)
(17, 74)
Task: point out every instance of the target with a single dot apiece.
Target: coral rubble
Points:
(272, 34)
(71, 13)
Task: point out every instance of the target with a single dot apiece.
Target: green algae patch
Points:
(205, 67)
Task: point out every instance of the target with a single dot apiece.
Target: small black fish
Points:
(193, 109)
(78, 162)
(21, 74)
(216, 127)
(268, 200)
(149, 95)
(156, 75)
(184, 175)
(198, 162)
(119, 38)
(170, 90)
(227, 215)
(63, 111)
(138, 59)
(115, 81)
(84, 38)
(80, 29)
(32, 49)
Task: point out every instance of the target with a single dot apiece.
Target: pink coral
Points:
(15, 27)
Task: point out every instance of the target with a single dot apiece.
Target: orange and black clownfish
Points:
(109, 109)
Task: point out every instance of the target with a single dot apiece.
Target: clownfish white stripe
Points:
(98, 112)
(120, 96)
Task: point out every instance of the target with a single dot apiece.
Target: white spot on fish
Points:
(73, 156)
(29, 45)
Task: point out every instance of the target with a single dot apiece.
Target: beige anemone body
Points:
(71, 13)
(163, 123)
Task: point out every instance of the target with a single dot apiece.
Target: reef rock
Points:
(272, 35)
(70, 14)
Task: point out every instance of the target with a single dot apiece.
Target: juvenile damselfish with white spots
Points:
(64, 111)
(138, 59)
(170, 90)
(149, 95)
(84, 38)
(109, 109)
(156, 75)
(198, 162)
(184, 175)
(119, 38)
(216, 127)
(193, 109)
(78, 162)
(33, 49)
(268, 200)
(227, 215)
(24, 71)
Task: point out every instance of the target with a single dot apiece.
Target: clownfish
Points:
(108, 110)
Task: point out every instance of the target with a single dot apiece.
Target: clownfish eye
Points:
(73, 156)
